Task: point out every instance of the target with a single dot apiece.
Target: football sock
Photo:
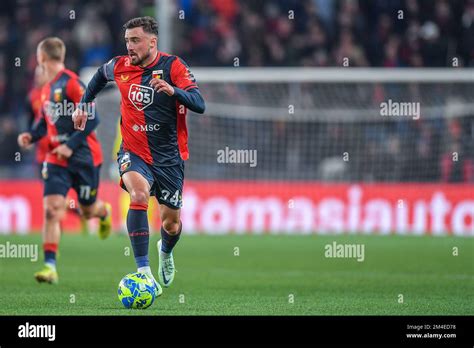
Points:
(168, 241)
(50, 250)
(137, 225)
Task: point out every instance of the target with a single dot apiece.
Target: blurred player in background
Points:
(34, 106)
(73, 158)
(156, 89)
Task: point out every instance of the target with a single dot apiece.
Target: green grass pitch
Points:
(272, 275)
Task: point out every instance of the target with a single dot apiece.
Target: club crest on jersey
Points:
(157, 74)
(44, 171)
(125, 162)
(58, 95)
(140, 96)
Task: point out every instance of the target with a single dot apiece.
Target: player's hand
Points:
(24, 140)
(160, 85)
(62, 151)
(79, 117)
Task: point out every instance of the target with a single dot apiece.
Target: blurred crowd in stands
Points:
(313, 33)
(389, 33)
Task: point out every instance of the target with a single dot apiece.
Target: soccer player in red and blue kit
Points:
(73, 158)
(156, 89)
(35, 106)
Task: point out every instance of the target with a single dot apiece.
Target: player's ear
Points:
(154, 42)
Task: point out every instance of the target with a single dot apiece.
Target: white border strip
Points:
(333, 75)
(326, 75)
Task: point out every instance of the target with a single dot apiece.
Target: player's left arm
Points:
(184, 87)
(74, 91)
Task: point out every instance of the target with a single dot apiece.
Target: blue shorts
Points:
(166, 183)
(84, 180)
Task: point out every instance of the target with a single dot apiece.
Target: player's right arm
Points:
(100, 79)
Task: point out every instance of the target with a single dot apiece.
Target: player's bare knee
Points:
(53, 211)
(50, 213)
(139, 197)
(171, 226)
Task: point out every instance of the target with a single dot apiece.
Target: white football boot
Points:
(166, 268)
(147, 271)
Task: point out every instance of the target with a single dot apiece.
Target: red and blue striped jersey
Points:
(153, 125)
(59, 99)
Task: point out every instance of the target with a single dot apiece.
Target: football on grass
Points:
(137, 291)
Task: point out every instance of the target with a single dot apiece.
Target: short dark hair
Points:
(149, 24)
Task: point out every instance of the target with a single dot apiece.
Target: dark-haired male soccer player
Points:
(73, 159)
(156, 88)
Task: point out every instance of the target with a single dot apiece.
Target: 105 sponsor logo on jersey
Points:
(140, 96)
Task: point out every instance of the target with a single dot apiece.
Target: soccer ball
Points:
(137, 290)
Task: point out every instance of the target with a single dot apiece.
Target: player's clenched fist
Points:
(162, 86)
(79, 117)
(24, 140)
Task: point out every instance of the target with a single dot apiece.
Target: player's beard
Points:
(139, 61)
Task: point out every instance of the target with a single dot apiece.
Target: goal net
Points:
(335, 124)
(289, 150)
(326, 124)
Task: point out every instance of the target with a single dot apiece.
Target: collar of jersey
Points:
(58, 75)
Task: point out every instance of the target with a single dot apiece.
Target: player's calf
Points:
(170, 227)
(138, 231)
(170, 233)
(77, 211)
(94, 210)
(103, 211)
(54, 210)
